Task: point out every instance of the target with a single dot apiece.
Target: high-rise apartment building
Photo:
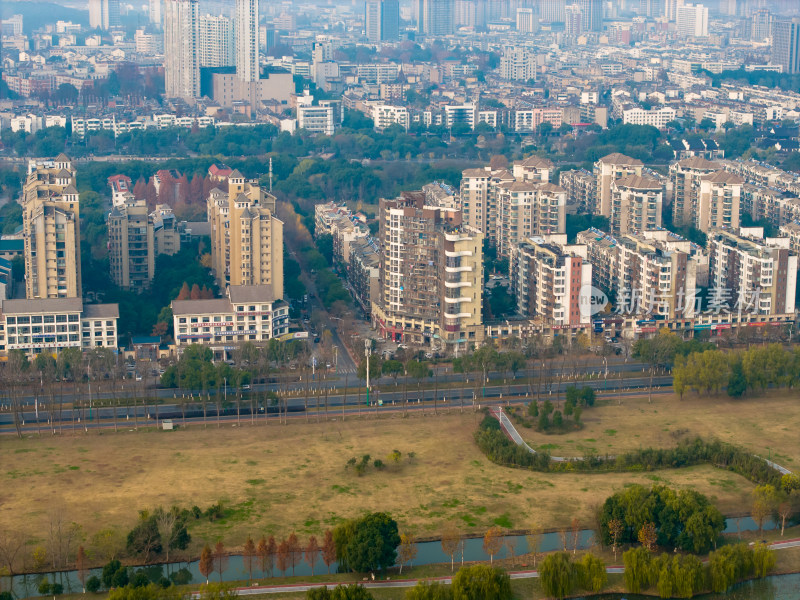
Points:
(526, 209)
(546, 277)
(552, 11)
(131, 250)
(155, 12)
(580, 186)
(166, 237)
(181, 56)
(606, 170)
(761, 25)
(246, 237)
(247, 67)
(573, 24)
(757, 275)
(786, 44)
(517, 64)
(692, 20)
(216, 41)
(51, 230)
(104, 14)
(686, 175)
(431, 275)
(527, 21)
(719, 201)
(435, 17)
(591, 14)
(636, 204)
(650, 272)
(382, 19)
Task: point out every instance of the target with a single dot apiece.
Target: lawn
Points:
(764, 425)
(277, 479)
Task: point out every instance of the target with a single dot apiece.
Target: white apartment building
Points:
(692, 20)
(546, 276)
(216, 41)
(719, 201)
(52, 324)
(526, 209)
(181, 55)
(385, 115)
(316, 119)
(608, 169)
(657, 117)
(686, 175)
(247, 67)
(759, 273)
(247, 314)
(517, 64)
(461, 113)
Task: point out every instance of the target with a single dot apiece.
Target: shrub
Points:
(481, 581)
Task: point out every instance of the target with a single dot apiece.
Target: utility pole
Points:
(367, 352)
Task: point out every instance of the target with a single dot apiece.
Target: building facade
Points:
(247, 66)
(686, 175)
(431, 276)
(246, 236)
(181, 56)
(51, 230)
(131, 246)
(382, 18)
(216, 41)
(606, 171)
(636, 204)
(719, 201)
(786, 44)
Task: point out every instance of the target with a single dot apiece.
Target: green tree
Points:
(368, 543)
(434, 590)
(340, 592)
(144, 539)
(481, 581)
(638, 572)
(557, 575)
(592, 572)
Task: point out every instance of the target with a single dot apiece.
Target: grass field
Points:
(276, 479)
(765, 425)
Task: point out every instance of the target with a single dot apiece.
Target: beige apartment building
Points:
(246, 236)
(166, 237)
(719, 201)
(606, 171)
(528, 208)
(51, 230)
(431, 275)
(131, 247)
(686, 175)
(636, 204)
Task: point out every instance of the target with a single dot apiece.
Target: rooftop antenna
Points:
(270, 174)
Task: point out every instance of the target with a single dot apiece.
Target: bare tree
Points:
(328, 550)
(312, 553)
(492, 542)
(62, 536)
(406, 551)
(220, 559)
(249, 556)
(451, 538)
(165, 520)
(82, 567)
(11, 543)
(534, 538)
(615, 529)
(575, 526)
(295, 551)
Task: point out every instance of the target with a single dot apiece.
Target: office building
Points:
(51, 230)
(786, 44)
(435, 17)
(719, 201)
(104, 14)
(181, 52)
(651, 272)
(246, 237)
(636, 204)
(431, 276)
(131, 252)
(758, 275)
(591, 15)
(247, 67)
(216, 41)
(316, 119)
(761, 26)
(48, 325)
(686, 175)
(547, 275)
(382, 18)
(527, 21)
(552, 11)
(247, 313)
(606, 170)
(692, 20)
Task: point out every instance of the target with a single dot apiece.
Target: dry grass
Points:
(764, 425)
(281, 478)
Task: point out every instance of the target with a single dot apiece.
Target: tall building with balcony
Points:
(435, 17)
(547, 275)
(181, 56)
(51, 230)
(607, 170)
(166, 237)
(246, 236)
(247, 67)
(753, 274)
(580, 187)
(216, 41)
(526, 209)
(686, 175)
(719, 201)
(649, 272)
(431, 275)
(131, 246)
(636, 204)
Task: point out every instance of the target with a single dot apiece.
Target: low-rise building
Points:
(52, 324)
(248, 313)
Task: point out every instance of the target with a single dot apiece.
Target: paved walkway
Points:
(407, 583)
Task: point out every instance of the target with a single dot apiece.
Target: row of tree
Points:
(738, 372)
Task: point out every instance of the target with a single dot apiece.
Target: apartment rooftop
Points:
(637, 182)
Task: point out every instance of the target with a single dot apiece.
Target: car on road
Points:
(246, 387)
(316, 340)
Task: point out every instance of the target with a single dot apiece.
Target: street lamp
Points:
(367, 352)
